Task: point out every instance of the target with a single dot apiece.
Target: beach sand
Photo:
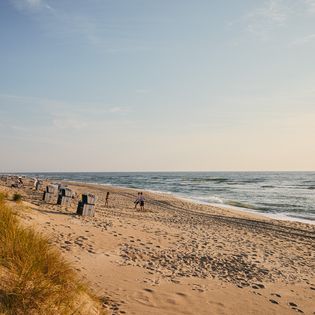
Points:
(180, 257)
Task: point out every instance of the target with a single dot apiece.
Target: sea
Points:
(281, 195)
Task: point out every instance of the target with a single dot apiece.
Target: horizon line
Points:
(162, 171)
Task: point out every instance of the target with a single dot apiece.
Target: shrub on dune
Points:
(17, 197)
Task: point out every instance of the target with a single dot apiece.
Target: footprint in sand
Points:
(148, 290)
(181, 294)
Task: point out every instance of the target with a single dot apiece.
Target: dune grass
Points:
(34, 278)
(3, 196)
(17, 197)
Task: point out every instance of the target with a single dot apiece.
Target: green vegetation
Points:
(17, 197)
(34, 278)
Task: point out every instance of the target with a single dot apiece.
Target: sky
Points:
(157, 85)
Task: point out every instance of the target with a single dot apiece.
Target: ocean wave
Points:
(251, 181)
(209, 199)
(308, 182)
(308, 217)
(241, 205)
(273, 206)
(212, 179)
(161, 192)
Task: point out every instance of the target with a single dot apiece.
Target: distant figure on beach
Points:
(141, 199)
(35, 183)
(137, 201)
(106, 199)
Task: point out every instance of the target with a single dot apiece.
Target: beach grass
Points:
(34, 278)
(17, 197)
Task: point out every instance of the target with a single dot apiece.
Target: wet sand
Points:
(179, 257)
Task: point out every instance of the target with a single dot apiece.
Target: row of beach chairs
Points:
(61, 195)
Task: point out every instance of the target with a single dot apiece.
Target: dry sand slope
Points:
(179, 257)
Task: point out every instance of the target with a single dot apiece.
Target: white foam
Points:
(275, 216)
(209, 199)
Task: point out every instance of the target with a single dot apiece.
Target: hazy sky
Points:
(127, 85)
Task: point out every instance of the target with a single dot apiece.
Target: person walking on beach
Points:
(20, 182)
(106, 199)
(35, 182)
(137, 201)
(141, 199)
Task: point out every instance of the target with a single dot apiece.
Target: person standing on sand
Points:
(106, 199)
(35, 182)
(137, 200)
(141, 199)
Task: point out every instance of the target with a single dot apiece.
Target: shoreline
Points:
(234, 205)
(274, 216)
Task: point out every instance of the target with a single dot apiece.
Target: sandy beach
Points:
(180, 257)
